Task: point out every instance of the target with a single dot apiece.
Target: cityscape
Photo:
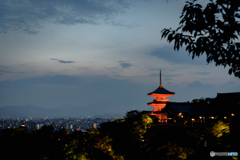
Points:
(71, 124)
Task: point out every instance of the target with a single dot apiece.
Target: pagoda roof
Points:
(156, 102)
(161, 90)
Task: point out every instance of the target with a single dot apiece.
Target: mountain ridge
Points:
(35, 111)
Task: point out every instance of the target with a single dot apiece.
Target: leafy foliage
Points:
(220, 128)
(131, 138)
(204, 101)
(213, 30)
(127, 134)
(99, 146)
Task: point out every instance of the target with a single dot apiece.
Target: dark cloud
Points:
(2, 72)
(62, 61)
(53, 59)
(28, 16)
(177, 57)
(121, 24)
(5, 71)
(125, 64)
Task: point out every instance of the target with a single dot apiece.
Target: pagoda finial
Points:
(160, 80)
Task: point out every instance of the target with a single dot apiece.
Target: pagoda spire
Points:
(160, 80)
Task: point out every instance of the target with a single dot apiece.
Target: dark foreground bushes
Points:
(137, 136)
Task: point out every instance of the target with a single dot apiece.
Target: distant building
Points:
(39, 126)
(94, 125)
(71, 126)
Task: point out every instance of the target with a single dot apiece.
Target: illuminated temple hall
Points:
(160, 101)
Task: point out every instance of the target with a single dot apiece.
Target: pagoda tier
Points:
(161, 92)
(160, 101)
(158, 105)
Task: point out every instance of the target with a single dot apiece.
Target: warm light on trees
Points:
(220, 128)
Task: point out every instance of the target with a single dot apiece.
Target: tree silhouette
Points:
(213, 30)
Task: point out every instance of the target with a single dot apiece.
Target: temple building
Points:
(160, 101)
(225, 106)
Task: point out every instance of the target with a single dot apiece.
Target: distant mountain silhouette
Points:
(63, 111)
(26, 111)
(107, 108)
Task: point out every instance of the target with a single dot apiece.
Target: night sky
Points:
(79, 53)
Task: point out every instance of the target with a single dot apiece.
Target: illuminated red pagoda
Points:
(160, 95)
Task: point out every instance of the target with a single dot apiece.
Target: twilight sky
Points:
(58, 52)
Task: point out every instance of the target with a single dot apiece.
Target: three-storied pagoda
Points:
(160, 95)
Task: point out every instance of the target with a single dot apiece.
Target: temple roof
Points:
(233, 97)
(160, 90)
(179, 107)
(189, 109)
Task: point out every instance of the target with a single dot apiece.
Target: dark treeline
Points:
(137, 136)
